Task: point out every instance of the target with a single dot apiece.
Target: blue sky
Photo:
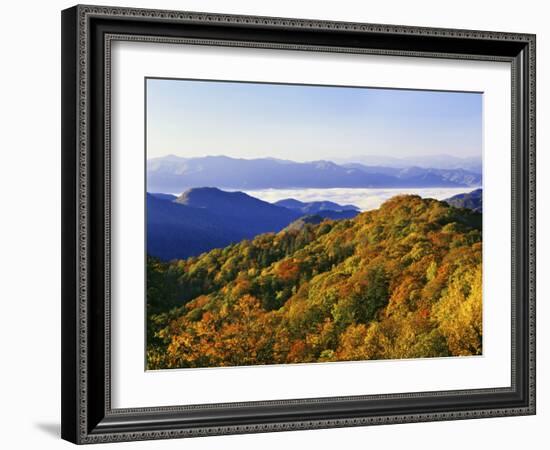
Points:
(303, 123)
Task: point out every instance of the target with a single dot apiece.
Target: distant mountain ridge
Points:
(420, 174)
(471, 200)
(442, 161)
(324, 209)
(314, 207)
(176, 174)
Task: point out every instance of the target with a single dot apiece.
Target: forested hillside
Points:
(403, 281)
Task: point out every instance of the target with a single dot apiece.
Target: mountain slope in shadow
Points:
(204, 218)
(471, 200)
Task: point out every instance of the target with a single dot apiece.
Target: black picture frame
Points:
(87, 416)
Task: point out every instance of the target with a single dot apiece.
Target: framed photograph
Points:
(278, 224)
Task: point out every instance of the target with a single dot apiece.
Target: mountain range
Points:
(324, 209)
(472, 163)
(314, 207)
(204, 218)
(176, 174)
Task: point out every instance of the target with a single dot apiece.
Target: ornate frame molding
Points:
(77, 423)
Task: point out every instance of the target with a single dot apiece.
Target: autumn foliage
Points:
(403, 281)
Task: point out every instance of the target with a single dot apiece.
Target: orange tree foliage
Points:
(403, 281)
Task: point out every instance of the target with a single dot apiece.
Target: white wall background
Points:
(30, 224)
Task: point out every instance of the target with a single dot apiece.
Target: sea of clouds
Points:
(365, 199)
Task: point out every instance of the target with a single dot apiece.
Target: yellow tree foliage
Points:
(458, 313)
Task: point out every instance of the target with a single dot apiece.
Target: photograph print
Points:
(291, 223)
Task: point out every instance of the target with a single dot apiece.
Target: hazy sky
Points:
(304, 123)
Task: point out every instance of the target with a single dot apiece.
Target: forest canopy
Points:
(402, 281)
